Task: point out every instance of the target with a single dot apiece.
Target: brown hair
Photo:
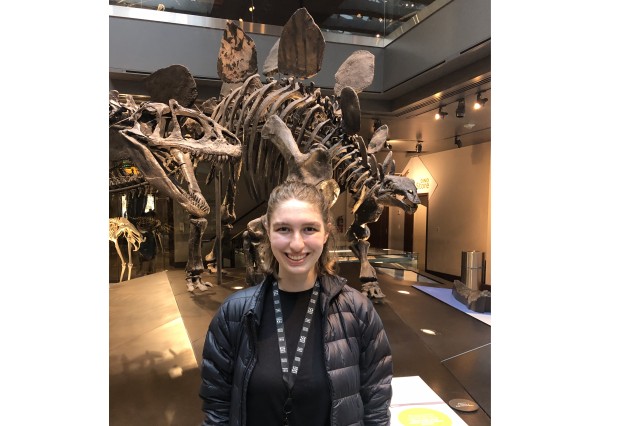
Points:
(296, 190)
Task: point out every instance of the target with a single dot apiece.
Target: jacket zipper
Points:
(326, 360)
(245, 376)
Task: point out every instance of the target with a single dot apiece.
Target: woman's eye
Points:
(310, 229)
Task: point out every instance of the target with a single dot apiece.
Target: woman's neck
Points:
(297, 283)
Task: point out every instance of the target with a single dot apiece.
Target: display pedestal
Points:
(154, 378)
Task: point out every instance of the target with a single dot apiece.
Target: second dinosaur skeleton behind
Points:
(155, 226)
(323, 132)
(121, 227)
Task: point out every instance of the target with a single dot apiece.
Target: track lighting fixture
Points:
(460, 110)
(458, 142)
(419, 147)
(441, 114)
(480, 101)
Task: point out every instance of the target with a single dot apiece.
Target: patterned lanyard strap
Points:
(289, 377)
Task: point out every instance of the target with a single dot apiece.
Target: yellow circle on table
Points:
(423, 417)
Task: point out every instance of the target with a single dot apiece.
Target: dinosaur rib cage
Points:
(121, 182)
(137, 185)
(311, 118)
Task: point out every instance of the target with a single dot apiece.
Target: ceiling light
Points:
(460, 110)
(419, 146)
(441, 114)
(428, 331)
(403, 292)
(458, 142)
(480, 101)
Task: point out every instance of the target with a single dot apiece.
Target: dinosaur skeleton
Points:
(166, 142)
(121, 227)
(153, 225)
(323, 131)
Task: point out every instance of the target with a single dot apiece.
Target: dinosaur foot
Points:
(214, 270)
(373, 292)
(202, 286)
(197, 283)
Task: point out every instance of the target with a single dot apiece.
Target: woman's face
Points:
(297, 235)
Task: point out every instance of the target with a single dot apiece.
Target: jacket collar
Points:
(257, 300)
(330, 286)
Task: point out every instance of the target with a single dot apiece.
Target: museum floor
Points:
(157, 330)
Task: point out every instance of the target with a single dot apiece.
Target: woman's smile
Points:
(296, 257)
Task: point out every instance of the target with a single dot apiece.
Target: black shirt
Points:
(267, 390)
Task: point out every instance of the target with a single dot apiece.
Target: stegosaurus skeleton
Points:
(316, 123)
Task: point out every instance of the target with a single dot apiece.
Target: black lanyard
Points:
(289, 377)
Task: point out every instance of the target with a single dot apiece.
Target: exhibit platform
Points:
(157, 331)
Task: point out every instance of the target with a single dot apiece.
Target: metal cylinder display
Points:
(472, 269)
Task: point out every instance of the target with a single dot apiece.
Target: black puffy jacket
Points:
(356, 350)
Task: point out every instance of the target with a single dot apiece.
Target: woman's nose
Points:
(297, 242)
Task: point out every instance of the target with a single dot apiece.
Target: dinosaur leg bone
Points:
(123, 264)
(130, 263)
(368, 277)
(252, 240)
(358, 234)
(194, 262)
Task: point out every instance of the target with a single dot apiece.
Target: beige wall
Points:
(459, 216)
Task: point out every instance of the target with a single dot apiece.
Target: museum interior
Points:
(398, 93)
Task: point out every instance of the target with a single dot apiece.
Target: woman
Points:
(335, 367)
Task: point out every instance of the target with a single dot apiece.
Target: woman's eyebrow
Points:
(281, 223)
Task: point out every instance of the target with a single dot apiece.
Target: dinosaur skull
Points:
(167, 141)
(398, 191)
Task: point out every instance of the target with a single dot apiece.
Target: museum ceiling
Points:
(365, 17)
